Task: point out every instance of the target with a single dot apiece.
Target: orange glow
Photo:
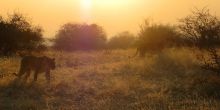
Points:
(114, 15)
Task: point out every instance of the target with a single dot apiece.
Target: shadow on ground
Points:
(18, 95)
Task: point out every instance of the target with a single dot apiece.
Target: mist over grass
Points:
(94, 80)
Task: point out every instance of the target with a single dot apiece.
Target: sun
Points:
(86, 4)
(86, 8)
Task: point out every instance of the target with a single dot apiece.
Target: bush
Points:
(156, 37)
(203, 30)
(72, 37)
(122, 40)
(16, 33)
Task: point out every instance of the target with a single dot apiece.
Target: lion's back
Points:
(35, 63)
(29, 62)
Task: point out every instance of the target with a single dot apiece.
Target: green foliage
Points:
(72, 37)
(16, 33)
(122, 40)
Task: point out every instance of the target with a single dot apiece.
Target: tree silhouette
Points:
(16, 33)
(201, 28)
(72, 37)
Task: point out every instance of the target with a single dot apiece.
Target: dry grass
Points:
(170, 80)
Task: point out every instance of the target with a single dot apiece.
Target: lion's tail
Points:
(136, 53)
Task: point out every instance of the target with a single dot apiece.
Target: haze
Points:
(113, 15)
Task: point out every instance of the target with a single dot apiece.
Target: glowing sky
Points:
(114, 15)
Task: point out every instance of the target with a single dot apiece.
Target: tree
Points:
(156, 37)
(122, 40)
(72, 37)
(16, 33)
(203, 30)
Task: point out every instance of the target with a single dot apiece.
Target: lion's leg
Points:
(21, 72)
(47, 75)
(35, 75)
(27, 75)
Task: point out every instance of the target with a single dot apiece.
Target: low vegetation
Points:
(170, 80)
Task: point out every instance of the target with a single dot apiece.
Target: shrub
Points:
(17, 33)
(156, 37)
(72, 37)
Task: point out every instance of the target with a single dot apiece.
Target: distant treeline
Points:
(200, 28)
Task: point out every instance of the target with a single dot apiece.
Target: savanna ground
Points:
(96, 80)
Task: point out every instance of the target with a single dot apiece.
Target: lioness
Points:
(36, 64)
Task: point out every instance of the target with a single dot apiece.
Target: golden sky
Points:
(113, 15)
